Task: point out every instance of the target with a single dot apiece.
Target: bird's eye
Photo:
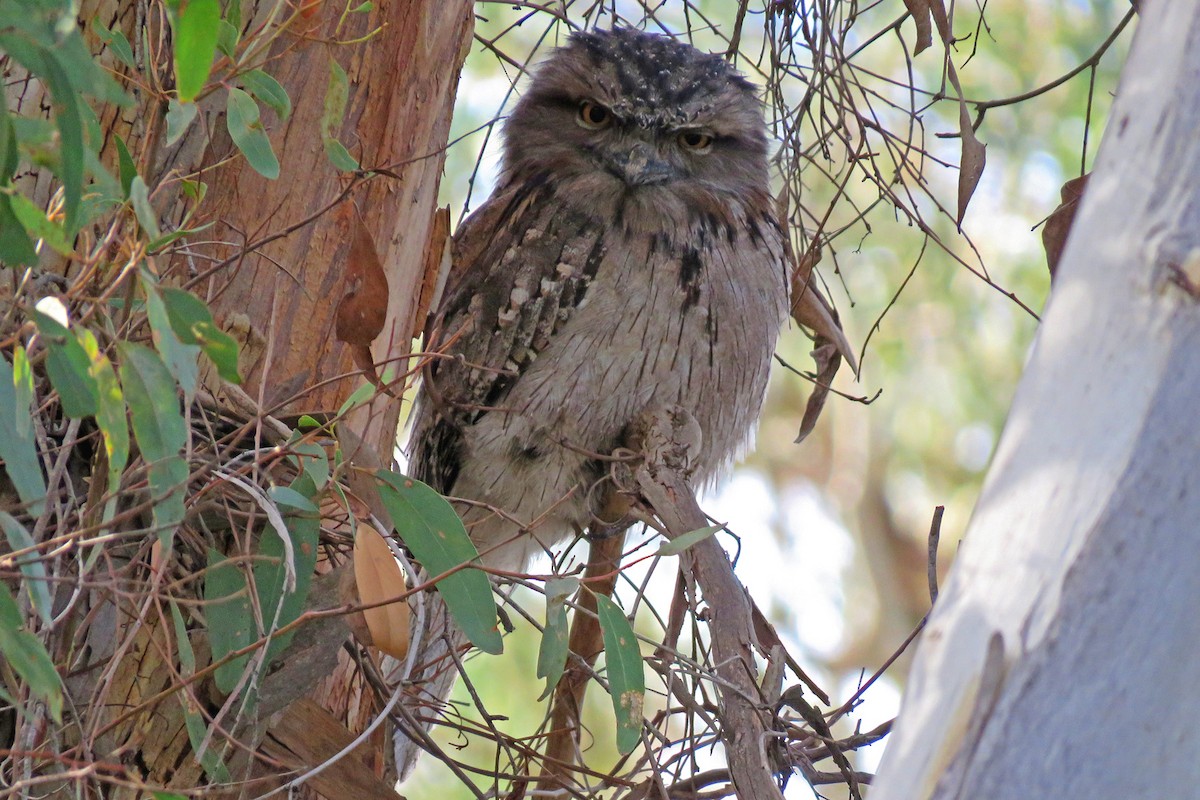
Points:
(696, 141)
(593, 115)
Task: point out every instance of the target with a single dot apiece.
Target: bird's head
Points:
(623, 115)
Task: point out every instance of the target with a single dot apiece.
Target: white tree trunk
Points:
(1063, 658)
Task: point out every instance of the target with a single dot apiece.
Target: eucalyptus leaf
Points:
(35, 222)
(27, 656)
(242, 119)
(431, 529)
(336, 93)
(554, 648)
(626, 680)
(193, 323)
(147, 217)
(159, 430)
(33, 571)
(110, 412)
(230, 618)
(181, 358)
(116, 42)
(268, 91)
(127, 170)
(179, 117)
(196, 37)
(69, 368)
(684, 541)
(280, 606)
(227, 38)
(16, 248)
(17, 447)
(69, 119)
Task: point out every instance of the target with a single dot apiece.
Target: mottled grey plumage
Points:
(614, 269)
(629, 259)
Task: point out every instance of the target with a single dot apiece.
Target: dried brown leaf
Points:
(937, 9)
(1058, 224)
(378, 578)
(362, 309)
(974, 157)
(919, 11)
(813, 312)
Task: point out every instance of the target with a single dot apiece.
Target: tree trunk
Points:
(283, 263)
(1064, 652)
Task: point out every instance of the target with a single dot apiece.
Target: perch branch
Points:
(662, 482)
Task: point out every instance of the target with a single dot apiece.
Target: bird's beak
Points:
(641, 166)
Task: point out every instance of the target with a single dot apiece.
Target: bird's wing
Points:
(520, 265)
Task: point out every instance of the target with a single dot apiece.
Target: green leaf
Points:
(193, 323)
(311, 458)
(147, 217)
(16, 248)
(179, 117)
(307, 422)
(626, 681)
(359, 396)
(69, 119)
(69, 368)
(334, 111)
(192, 720)
(157, 425)
(8, 146)
(35, 579)
(196, 190)
(553, 651)
(227, 38)
(210, 760)
(284, 496)
(183, 645)
(126, 168)
(167, 238)
(35, 222)
(268, 91)
(83, 70)
(169, 795)
(684, 541)
(363, 8)
(17, 447)
(214, 768)
(269, 572)
(159, 430)
(116, 42)
(195, 45)
(103, 195)
(230, 618)
(241, 117)
(339, 156)
(436, 536)
(45, 64)
(27, 655)
(181, 359)
(110, 414)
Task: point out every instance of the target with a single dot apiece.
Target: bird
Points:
(629, 258)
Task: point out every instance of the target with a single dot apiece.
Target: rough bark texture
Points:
(1062, 657)
(280, 299)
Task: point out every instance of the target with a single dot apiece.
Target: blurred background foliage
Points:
(834, 531)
